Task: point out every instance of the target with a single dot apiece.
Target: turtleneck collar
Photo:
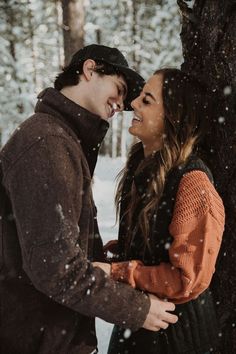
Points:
(89, 127)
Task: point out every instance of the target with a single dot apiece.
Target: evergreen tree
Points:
(30, 57)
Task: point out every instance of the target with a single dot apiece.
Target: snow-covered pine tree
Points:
(29, 57)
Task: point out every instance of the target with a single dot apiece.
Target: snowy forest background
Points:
(35, 36)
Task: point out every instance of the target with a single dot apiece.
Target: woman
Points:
(171, 217)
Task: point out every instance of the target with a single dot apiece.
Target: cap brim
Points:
(135, 84)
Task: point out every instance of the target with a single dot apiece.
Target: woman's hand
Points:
(106, 267)
(111, 246)
(159, 315)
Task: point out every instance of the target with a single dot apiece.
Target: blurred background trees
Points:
(31, 47)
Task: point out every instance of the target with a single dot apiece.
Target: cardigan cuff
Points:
(124, 271)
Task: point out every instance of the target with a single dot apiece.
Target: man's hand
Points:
(158, 317)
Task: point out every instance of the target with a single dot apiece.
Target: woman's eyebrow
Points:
(149, 95)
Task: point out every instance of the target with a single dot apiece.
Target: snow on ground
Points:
(104, 192)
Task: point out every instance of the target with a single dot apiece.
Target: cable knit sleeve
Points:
(196, 227)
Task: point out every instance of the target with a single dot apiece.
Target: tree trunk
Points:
(73, 27)
(32, 43)
(136, 57)
(209, 48)
(59, 23)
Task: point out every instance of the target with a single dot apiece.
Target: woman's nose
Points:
(134, 103)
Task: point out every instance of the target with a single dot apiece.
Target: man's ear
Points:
(88, 68)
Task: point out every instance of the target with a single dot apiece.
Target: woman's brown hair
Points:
(186, 113)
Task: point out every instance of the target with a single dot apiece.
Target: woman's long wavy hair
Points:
(186, 113)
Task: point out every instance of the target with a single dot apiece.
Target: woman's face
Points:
(148, 120)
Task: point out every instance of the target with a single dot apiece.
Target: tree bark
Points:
(73, 27)
(209, 48)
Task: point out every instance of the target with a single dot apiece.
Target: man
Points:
(50, 290)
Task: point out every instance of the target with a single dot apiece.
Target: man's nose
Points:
(120, 104)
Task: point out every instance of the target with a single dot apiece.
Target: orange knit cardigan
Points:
(196, 227)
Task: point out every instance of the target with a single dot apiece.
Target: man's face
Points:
(107, 94)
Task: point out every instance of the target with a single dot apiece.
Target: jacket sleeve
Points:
(197, 227)
(46, 188)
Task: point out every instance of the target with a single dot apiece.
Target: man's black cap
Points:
(115, 58)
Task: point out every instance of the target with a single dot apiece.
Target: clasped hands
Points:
(158, 316)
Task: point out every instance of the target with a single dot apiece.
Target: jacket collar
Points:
(89, 127)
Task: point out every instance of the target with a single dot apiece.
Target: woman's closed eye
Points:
(145, 101)
(119, 91)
